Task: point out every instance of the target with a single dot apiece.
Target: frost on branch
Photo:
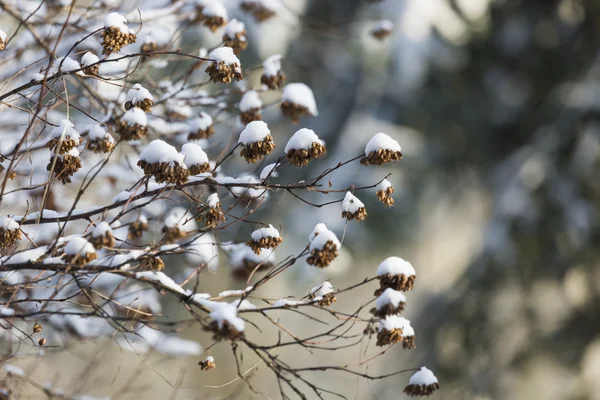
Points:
(395, 273)
(324, 247)
(265, 238)
(381, 149)
(256, 141)
(138, 96)
(226, 66)
(116, 34)
(353, 208)
(9, 232)
(234, 36)
(422, 383)
(250, 106)
(272, 76)
(304, 146)
(298, 101)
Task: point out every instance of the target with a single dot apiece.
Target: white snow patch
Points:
(254, 132)
(381, 141)
(250, 100)
(269, 232)
(193, 154)
(395, 266)
(135, 116)
(227, 312)
(302, 140)
(79, 246)
(390, 296)
(351, 203)
(300, 94)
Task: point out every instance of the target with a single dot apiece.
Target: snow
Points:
(135, 116)
(79, 246)
(3, 35)
(224, 54)
(138, 93)
(96, 132)
(8, 223)
(351, 203)
(243, 304)
(122, 196)
(302, 140)
(65, 126)
(392, 322)
(381, 141)
(213, 200)
(215, 9)
(210, 359)
(423, 377)
(383, 185)
(162, 278)
(320, 227)
(200, 123)
(89, 58)
(286, 302)
(254, 132)
(322, 238)
(101, 229)
(167, 344)
(244, 252)
(159, 151)
(67, 64)
(321, 290)
(231, 293)
(269, 171)
(395, 266)
(383, 25)
(250, 100)
(193, 154)
(178, 217)
(269, 232)
(233, 27)
(227, 312)
(6, 312)
(23, 257)
(203, 249)
(116, 20)
(13, 370)
(302, 95)
(390, 296)
(272, 65)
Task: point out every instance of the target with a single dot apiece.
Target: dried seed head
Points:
(324, 257)
(202, 133)
(153, 263)
(170, 172)
(207, 364)
(114, 39)
(301, 157)
(37, 327)
(273, 82)
(42, 341)
(219, 72)
(9, 232)
(65, 166)
(386, 337)
(255, 151)
(250, 115)
(172, 234)
(381, 156)
(137, 229)
(257, 9)
(422, 383)
(223, 330)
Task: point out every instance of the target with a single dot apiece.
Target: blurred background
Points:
(496, 106)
